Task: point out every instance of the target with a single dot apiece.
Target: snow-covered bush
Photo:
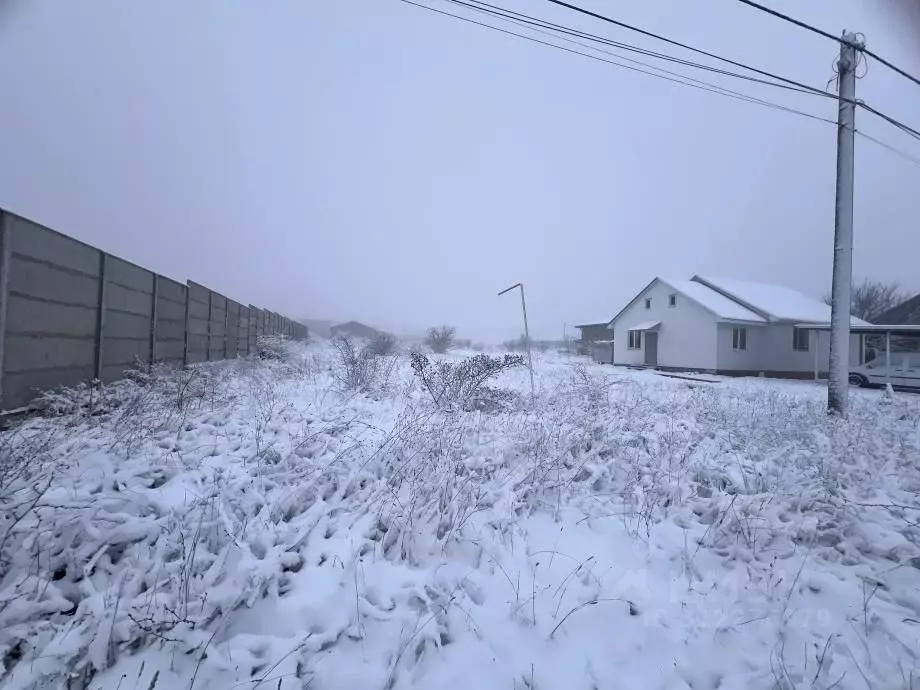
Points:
(463, 385)
(272, 346)
(359, 368)
(86, 399)
(440, 338)
(381, 344)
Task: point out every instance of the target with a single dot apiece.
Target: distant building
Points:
(596, 340)
(906, 313)
(353, 329)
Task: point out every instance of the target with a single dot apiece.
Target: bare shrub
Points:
(358, 368)
(519, 344)
(272, 347)
(26, 474)
(86, 399)
(381, 344)
(441, 338)
(462, 385)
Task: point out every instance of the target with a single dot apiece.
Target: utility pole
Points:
(838, 379)
(526, 331)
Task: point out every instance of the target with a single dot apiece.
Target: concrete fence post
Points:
(5, 238)
(100, 318)
(226, 325)
(153, 319)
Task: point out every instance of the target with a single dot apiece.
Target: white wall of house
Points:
(769, 348)
(686, 337)
(749, 359)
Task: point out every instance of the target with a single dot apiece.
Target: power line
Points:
(887, 118)
(826, 34)
(892, 67)
(693, 83)
(903, 154)
(900, 125)
(791, 20)
(519, 17)
(624, 25)
(685, 80)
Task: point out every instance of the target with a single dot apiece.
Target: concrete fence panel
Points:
(233, 328)
(128, 319)
(49, 310)
(217, 333)
(243, 334)
(199, 316)
(169, 325)
(261, 326)
(254, 315)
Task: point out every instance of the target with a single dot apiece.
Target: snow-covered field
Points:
(251, 525)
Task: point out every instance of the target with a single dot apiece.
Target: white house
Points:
(725, 326)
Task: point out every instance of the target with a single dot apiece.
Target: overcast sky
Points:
(367, 159)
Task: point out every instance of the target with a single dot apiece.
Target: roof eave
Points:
(748, 322)
(632, 301)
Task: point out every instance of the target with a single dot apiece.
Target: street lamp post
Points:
(526, 331)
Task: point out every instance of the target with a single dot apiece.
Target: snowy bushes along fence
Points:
(71, 313)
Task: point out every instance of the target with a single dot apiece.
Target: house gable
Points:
(686, 331)
(714, 302)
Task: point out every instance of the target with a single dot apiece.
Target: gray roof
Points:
(908, 312)
(777, 302)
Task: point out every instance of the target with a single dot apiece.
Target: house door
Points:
(651, 348)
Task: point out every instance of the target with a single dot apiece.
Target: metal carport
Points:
(888, 330)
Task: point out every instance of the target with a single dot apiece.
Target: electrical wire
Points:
(520, 17)
(892, 67)
(903, 154)
(826, 34)
(532, 27)
(792, 20)
(624, 25)
(675, 77)
(900, 125)
(683, 80)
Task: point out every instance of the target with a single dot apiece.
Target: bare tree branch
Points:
(872, 298)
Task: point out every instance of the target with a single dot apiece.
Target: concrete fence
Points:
(70, 312)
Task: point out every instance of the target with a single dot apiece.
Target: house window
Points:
(648, 302)
(635, 340)
(739, 338)
(672, 300)
(800, 339)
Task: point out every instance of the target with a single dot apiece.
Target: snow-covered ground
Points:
(250, 525)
